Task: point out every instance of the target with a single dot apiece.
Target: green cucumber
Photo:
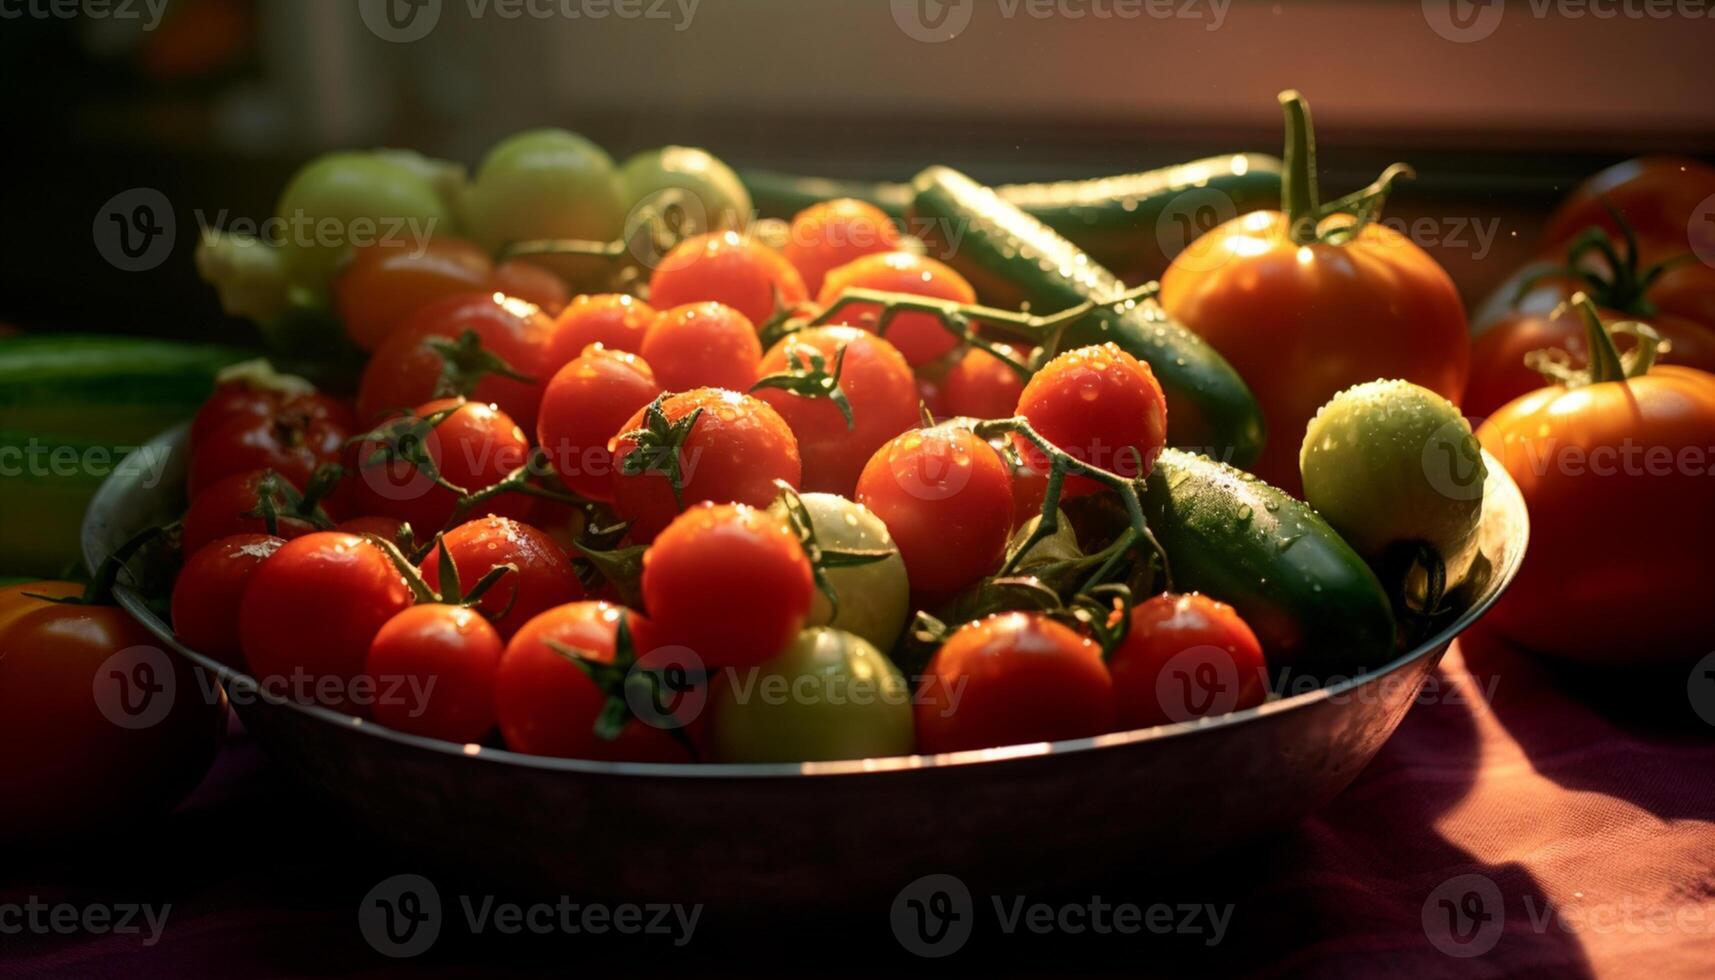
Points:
(118, 390)
(1317, 608)
(46, 482)
(1011, 258)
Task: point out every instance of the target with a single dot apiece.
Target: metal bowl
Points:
(1001, 818)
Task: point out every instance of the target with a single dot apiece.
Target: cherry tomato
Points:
(728, 581)
(707, 192)
(613, 320)
(531, 283)
(728, 268)
(874, 598)
(878, 387)
(208, 590)
(298, 435)
(385, 528)
(544, 578)
(385, 283)
(735, 450)
(222, 510)
(72, 760)
(408, 370)
(1012, 678)
(306, 620)
(1103, 407)
(1658, 196)
(585, 405)
(919, 336)
(433, 668)
(546, 183)
(357, 195)
(702, 345)
(828, 235)
(1185, 656)
(982, 386)
(946, 497)
(472, 447)
(547, 705)
(262, 395)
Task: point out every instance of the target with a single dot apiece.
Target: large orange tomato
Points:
(1616, 471)
(1311, 301)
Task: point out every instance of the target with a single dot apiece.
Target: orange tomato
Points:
(384, 284)
(826, 236)
(919, 336)
(729, 268)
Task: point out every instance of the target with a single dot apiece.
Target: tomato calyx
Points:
(465, 363)
(1606, 361)
(99, 591)
(450, 593)
(626, 682)
(622, 568)
(658, 447)
(277, 499)
(405, 439)
(812, 379)
(1625, 286)
(822, 559)
(1305, 215)
(788, 318)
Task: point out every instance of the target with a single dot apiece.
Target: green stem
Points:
(1298, 176)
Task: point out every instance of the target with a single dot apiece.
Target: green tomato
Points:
(875, 598)
(712, 198)
(1389, 462)
(342, 200)
(829, 695)
(546, 183)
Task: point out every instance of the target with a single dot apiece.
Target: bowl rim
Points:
(1501, 494)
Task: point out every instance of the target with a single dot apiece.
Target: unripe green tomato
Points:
(829, 695)
(714, 199)
(339, 201)
(1388, 462)
(875, 598)
(546, 183)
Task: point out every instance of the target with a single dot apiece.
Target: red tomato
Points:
(919, 336)
(208, 590)
(248, 398)
(1010, 679)
(826, 236)
(297, 436)
(221, 511)
(474, 447)
(385, 283)
(433, 669)
(1101, 406)
(1186, 656)
(1658, 197)
(385, 528)
(735, 450)
(1687, 290)
(945, 496)
(310, 612)
(729, 268)
(878, 385)
(982, 386)
(549, 706)
(407, 369)
(544, 578)
(532, 283)
(585, 405)
(702, 345)
(613, 320)
(728, 581)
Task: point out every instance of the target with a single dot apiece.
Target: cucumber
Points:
(1011, 259)
(46, 482)
(1317, 608)
(118, 390)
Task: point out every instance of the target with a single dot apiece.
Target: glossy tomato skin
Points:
(946, 497)
(74, 761)
(310, 612)
(433, 668)
(544, 578)
(1009, 679)
(407, 371)
(532, 283)
(240, 398)
(549, 706)
(919, 336)
(1499, 374)
(586, 404)
(614, 320)
(982, 386)
(385, 283)
(1185, 656)
(702, 345)
(878, 384)
(729, 268)
(1657, 196)
(728, 581)
(1103, 407)
(825, 236)
(474, 447)
(295, 437)
(736, 450)
(1596, 465)
(1302, 322)
(210, 587)
(220, 511)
